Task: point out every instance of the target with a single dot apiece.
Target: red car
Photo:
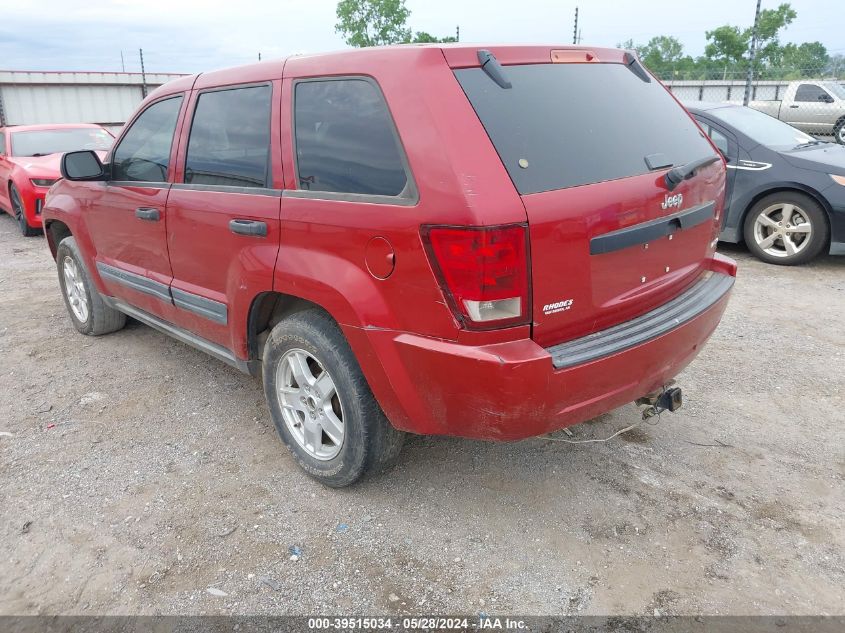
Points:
(489, 242)
(29, 165)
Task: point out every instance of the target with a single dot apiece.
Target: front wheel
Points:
(20, 215)
(786, 228)
(88, 312)
(839, 132)
(321, 404)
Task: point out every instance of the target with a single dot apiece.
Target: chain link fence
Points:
(810, 98)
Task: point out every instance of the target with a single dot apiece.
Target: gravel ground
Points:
(139, 476)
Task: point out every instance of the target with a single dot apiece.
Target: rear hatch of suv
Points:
(587, 144)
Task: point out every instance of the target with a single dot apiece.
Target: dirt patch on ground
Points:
(137, 473)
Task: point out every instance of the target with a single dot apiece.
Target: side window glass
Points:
(345, 139)
(719, 140)
(229, 143)
(2, 143)
(808, 92)
(144, 152)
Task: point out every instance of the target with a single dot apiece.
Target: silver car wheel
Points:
(75, 289)
(783, 230)
(310, 404)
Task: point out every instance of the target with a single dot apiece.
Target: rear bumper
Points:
(510, 391)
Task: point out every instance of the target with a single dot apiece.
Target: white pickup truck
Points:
(814, 107)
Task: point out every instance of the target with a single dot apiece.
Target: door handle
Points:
(793, 106)
(248, 227)
(148, 213)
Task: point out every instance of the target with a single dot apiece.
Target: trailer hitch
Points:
(667, 399)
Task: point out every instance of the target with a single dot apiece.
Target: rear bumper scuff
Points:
(512, 390)
(670, 315)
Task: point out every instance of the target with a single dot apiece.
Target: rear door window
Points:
(345, 139)
(144, 152)
(565, 125)
(229, 144)
(718, 138)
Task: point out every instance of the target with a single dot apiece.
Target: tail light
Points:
(483, 272)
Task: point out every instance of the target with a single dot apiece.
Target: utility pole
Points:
(143, 75)
(750, 76)
(458, 33)
(575, 28)
(122, 63)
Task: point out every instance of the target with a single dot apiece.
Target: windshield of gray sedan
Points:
(762, 128)
(44, 142)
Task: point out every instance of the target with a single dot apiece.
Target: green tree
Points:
(421, 37)
(379, 22)
(835, 66)
(770, 52)
(664, 56)
(809, 59)
(727, 45)
(373, 22)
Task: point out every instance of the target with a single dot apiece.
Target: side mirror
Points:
(825, 98)
(82, 165)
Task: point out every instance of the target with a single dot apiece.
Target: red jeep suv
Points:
(489, 242)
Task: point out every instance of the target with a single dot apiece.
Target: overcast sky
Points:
(192, 35)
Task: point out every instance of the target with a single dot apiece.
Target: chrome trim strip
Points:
(207, 308)
(136, 282)
(683, 308)
(349, 197)
(252, 191)
(750, 165)
(212, 349)
(143, 184)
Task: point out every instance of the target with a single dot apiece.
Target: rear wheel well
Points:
(812, 194)
(267, 309)
(56, 231)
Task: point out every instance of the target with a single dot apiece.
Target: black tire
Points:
(839, 132)
(370, 444)
(812, 213)
(20, 216)
(101, 319)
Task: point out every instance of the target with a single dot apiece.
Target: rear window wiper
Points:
(494, 70)
(635, 66)
(677, 175)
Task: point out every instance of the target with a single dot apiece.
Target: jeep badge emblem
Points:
(672, 201)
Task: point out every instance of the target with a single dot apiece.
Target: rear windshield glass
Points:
(564, 125)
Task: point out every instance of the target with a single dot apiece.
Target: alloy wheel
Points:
(75, 289)
(17, 207)
(783, 230)
(310, 404)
